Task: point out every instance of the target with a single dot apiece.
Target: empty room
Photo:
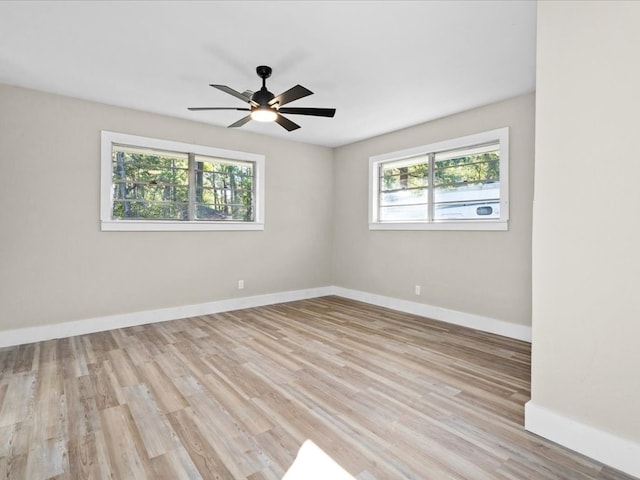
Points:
(286, 240)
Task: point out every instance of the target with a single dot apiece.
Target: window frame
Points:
(108, 223)
(500, 135)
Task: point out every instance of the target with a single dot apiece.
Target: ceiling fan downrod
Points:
(263, 96)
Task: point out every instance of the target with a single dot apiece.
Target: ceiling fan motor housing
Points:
(262, 97)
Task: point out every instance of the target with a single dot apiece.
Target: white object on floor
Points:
(312, 463)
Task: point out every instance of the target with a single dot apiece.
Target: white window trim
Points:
(500, 134)
(110, 224)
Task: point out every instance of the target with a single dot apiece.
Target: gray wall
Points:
(483, 273)
(586, 307)
(55, 263)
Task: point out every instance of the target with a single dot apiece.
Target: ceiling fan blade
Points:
(294, 93)
(286, 123)
(245, 97)
(194, 109)
(316, 112)
(240, 122)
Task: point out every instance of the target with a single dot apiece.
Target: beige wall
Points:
(57, 266)
(483, 273)
(55, 263)
(586, 231)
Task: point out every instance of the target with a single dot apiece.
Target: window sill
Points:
(169, 226)
(444, 225)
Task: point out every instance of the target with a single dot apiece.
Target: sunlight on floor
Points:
(312, 463)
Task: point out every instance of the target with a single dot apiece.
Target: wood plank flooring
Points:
(233, 396)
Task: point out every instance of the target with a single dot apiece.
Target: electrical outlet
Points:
(418, 289)
(240, 284)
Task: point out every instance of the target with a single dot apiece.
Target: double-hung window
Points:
(152, 184)
(459, 184)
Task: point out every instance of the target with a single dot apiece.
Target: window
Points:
(152, 184)
(459, 184)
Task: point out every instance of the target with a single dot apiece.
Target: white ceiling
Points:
(384, 65)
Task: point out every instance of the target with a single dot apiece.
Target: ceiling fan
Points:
(264, 106)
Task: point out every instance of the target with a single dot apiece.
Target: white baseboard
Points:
(602, 446)
(477, 322)
(80, 327)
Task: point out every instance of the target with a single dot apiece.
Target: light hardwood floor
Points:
(233, 396)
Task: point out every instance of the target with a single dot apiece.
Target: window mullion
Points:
(192, 187)
(430, 192)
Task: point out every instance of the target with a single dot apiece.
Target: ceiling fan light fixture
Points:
(263, 115)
